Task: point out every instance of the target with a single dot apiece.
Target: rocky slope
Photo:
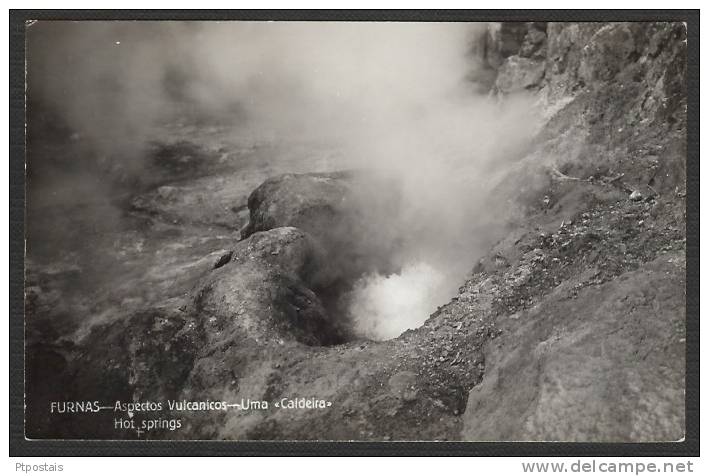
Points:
(571, 328)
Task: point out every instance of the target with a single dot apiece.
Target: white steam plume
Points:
(391, 97)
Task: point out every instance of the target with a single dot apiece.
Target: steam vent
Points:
(462, 232)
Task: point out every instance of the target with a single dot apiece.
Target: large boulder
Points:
(606, 365)
(254, 298)
(352, 216)
(262, 291)
(312, 202)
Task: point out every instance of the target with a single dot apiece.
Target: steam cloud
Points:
(384, 306)
(394, 98)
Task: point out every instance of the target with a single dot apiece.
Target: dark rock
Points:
(346, 213)
(620, 344)
(223, 259)
(534, 45)
(607, 52)
(262, 293)
(310, 202)
(504, 40)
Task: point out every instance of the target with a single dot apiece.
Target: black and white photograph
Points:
(356, 231)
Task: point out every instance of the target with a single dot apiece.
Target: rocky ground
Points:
(571, 328)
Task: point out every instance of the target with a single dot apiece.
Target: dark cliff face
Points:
(589, 287)
(571, 328)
